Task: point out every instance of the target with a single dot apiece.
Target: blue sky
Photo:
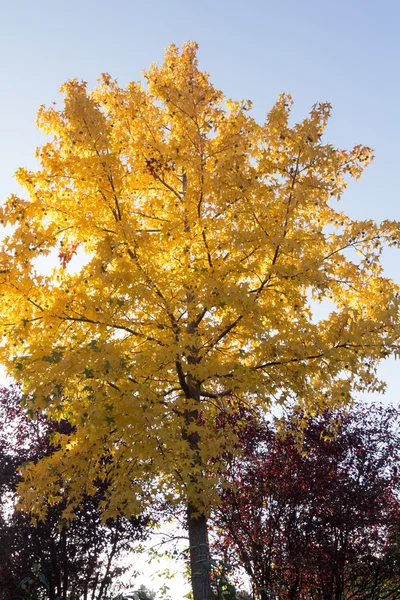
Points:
(344, 52)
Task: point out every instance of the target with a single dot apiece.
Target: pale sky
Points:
(345, 52)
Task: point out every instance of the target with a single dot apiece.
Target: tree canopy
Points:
(206, 236)
(318, 519)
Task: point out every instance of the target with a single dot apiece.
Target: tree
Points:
(317, 521)
(82, 561)
(204, 236)
(144, 594)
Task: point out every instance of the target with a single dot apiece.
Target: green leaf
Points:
(54, 358)
(93, 346)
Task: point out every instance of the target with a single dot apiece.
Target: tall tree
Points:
(316, 521)
(204, 236)
(82, 561)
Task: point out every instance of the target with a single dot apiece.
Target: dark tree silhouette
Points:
(81, 561)
(316, 522)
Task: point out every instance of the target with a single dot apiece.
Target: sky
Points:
(343, 52)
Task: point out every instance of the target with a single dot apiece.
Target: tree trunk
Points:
(64, 554)
(199, 556)
(197, 527)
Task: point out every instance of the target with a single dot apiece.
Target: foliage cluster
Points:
(318, 521)
(82, 561)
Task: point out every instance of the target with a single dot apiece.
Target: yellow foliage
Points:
(206, 234)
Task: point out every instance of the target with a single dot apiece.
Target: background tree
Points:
(204, 236)
(317, 521)
(144, 594)
(83, 561)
